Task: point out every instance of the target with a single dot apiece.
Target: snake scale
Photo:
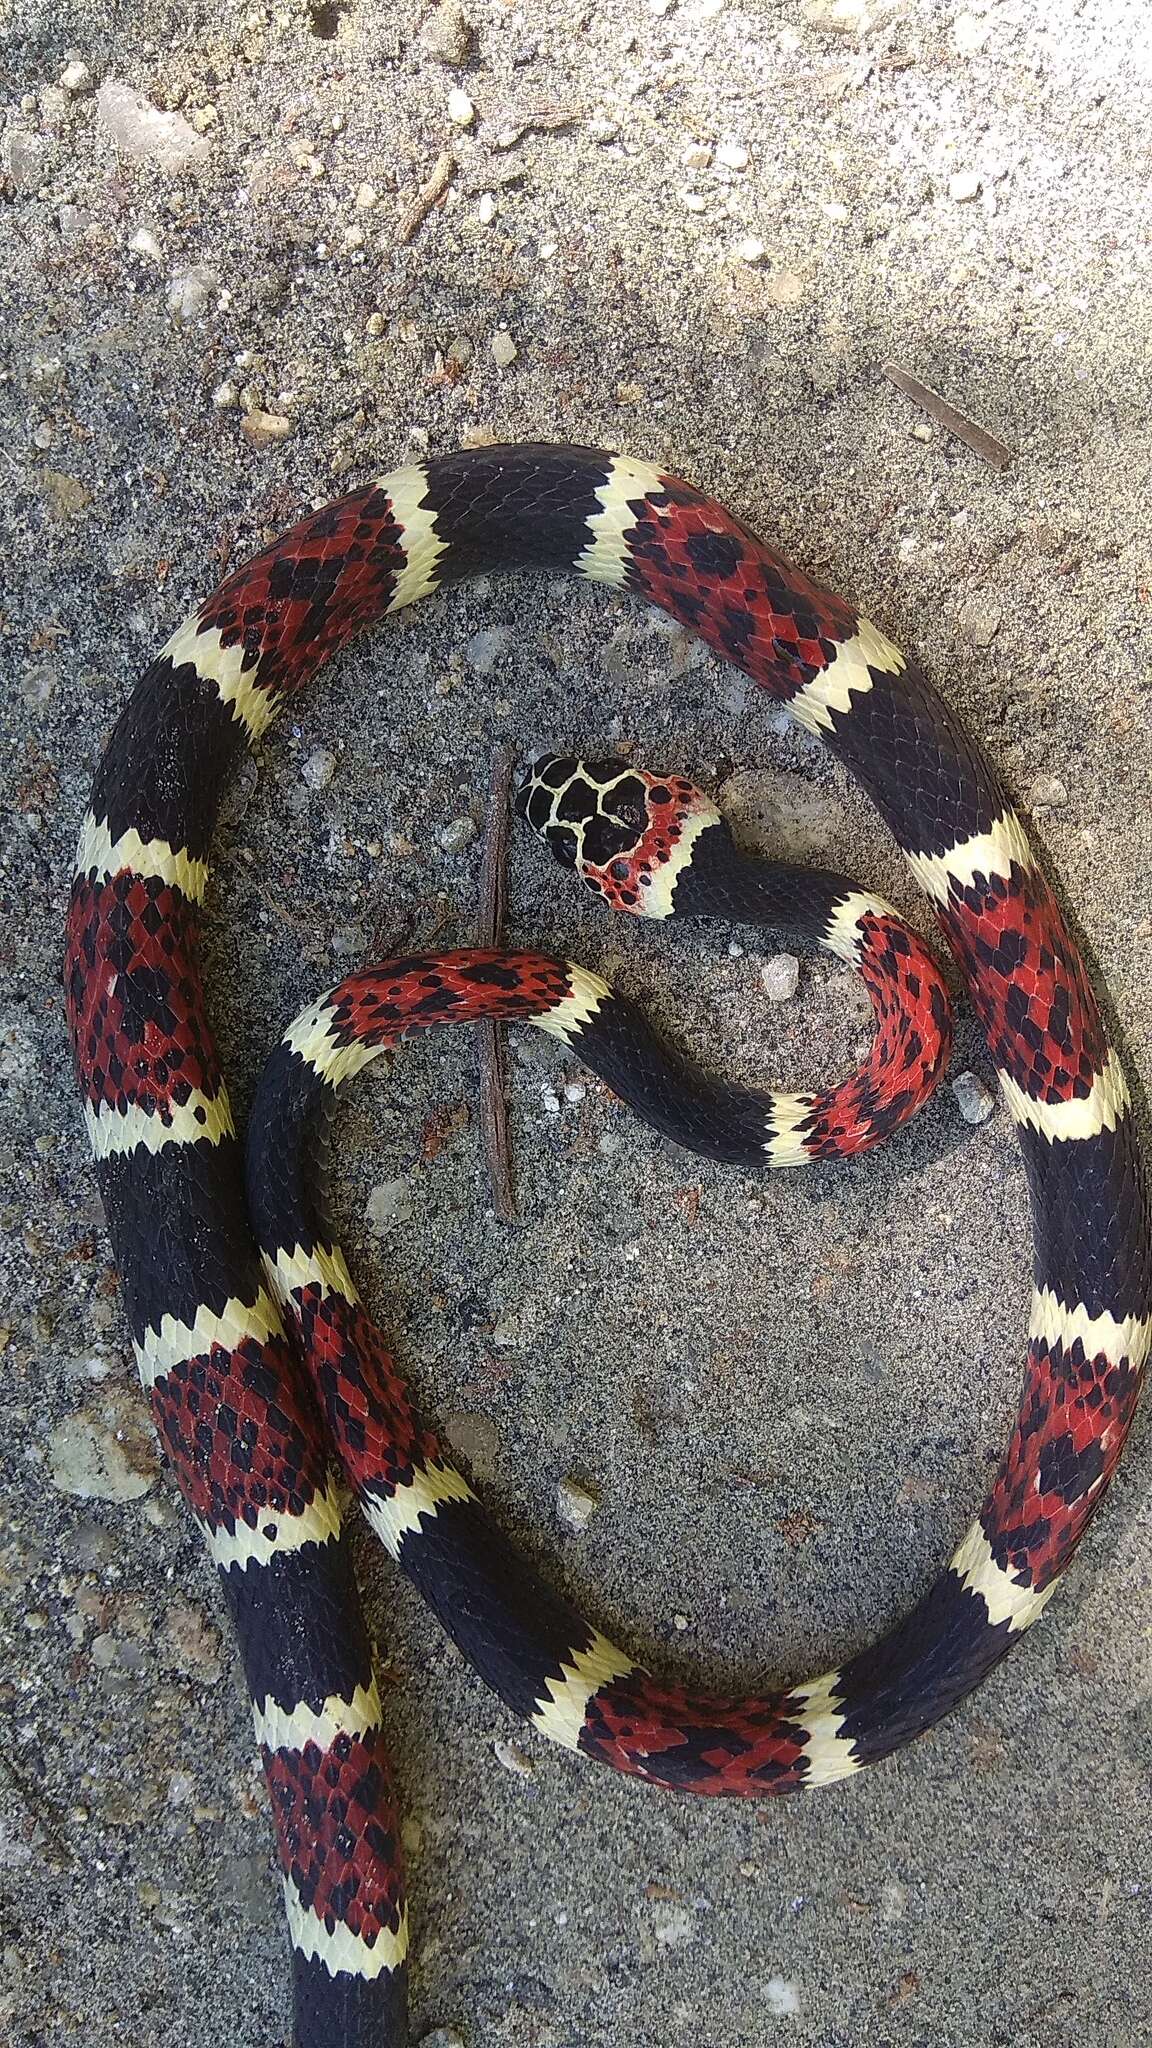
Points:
(251, 1341)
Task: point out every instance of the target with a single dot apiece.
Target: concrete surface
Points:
(788, 1396)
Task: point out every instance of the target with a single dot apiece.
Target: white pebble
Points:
(575, 1505)
(191, 292)
(484, 649)
(389, 1202)
(694, 202)
(574, 1091)
(141, 130)
(486, 210)
(974, 1100)
(1048, 793)
(513, 1759)
(455, 837)
(964, 185)
(551, 1101)
(733, 156)
(366, 196)
(76, 77)
(504, 350)
(782, 1998)
(319, 768)
(460, 108)
(780, 977)
(142, 242)
(751, 250)
(697, 156)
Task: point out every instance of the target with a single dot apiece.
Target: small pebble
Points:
(697, 156)
(447, 34)
(785, 288)
(969, 34)
(486, 210)
(225, 396)
(513, 1759)
(265, 428)
(191, 292)
(475, 1439)
(780, 977)
(366, 196)
(389, 1202)
(141, 130)
(460, 108)
(76, 77)
(484, 649)
(90, 1458)
(978, 622)
(319, 768)
(504, 350)
(733, 156)
(142, 242)
(964, 185)
(193, 1644)
(575, 1504)
(443, 2037)
(574, 1091)
(751, 250)
(1048, 793)
(974, 1099)
(455, 837)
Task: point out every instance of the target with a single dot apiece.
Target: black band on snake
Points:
(254, 1348)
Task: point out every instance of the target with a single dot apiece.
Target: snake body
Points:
(219, 1320)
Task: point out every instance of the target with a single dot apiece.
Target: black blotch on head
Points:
(565, 845)
(603, 838)
(627, 800)
(538, 809)
(578, 803)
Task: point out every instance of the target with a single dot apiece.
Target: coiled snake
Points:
(221, 1307)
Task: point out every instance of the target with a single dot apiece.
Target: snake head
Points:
(628, 833)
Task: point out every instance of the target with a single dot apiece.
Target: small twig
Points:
(433, 189)
(493, 902)
(545, 119)
(977, 438)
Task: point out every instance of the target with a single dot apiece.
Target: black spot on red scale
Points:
(719, 1747)
(686, 552)
(337, 1831)
(365, 1400)
(1073, 1419)
(908, 1053)
(377, 1005)
(135, 1000)
(294, 604)
(1028, 983)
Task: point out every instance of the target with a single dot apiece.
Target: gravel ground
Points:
(696, 231)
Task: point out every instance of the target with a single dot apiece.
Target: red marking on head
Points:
(625, 882)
